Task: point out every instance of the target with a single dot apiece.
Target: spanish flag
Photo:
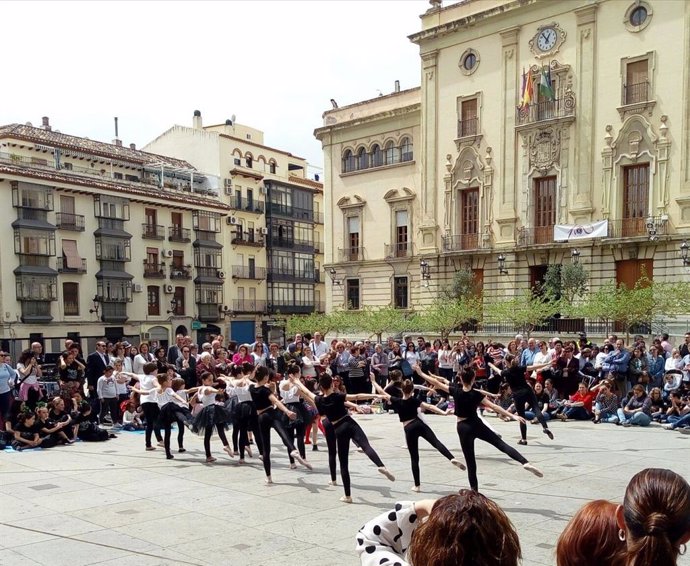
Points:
(527, 91)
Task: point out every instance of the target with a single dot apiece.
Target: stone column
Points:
(581, 205)
(429, 224)
(510, 76)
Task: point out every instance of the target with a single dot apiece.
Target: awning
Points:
(71, 253)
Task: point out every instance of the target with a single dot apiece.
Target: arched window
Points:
(272, 167)
(376, 155)
(348, 161)
(392, 154)
(362, 159)
(406, 149)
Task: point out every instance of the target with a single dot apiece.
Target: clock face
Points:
(546, 39)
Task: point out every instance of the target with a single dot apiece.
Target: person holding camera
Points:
(28, 374)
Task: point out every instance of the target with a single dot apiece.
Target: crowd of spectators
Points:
(576, 380)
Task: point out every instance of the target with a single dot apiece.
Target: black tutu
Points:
(211, 416)
(301, 417)
(243, 411)
(171, 413)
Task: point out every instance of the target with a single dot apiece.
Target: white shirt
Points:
(206, 397)
(148, 383)
(139, 363)
(290, 395)
(165, 397)
(319, 349)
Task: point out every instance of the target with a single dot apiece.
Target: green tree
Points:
(388, 319)
(463, 284)
(568, 282)
(444, 315)
(525, 312)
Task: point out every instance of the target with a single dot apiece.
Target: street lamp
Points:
(425, 272)
(575, 256)
(173, 306)
(651, 229)
(684, 253)
(502, 265)
(334, 276)
(96, 305)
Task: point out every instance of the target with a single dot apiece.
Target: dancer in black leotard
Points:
(470, 427)
(265, 401)
(332, 404)
(415, 428)
(523, 394)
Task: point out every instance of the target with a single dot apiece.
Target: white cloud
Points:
(274, 64)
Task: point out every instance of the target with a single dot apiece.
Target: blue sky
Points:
(275, 65)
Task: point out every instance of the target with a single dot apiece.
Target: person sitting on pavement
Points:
(579, 406)
(637, 410)
(606, 403)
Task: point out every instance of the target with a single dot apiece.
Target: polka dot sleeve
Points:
(384, 540)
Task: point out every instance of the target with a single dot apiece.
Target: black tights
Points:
(331, 444)
(525, 397)
(208, 432)
(345, 430)
(151, 411)
(473, 428)
(267, 420)
(413, 432)
(298, 429)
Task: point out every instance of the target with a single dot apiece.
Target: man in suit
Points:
(175, 351)
(96, 363)
(186, 367)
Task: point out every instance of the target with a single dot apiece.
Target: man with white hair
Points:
(318, 346)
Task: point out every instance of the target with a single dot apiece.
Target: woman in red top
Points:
(579, 407)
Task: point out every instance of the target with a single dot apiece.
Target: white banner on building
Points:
(581, 231)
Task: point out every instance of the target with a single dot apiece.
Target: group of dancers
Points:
(246, 401)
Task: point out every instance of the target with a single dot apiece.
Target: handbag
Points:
(406, 368)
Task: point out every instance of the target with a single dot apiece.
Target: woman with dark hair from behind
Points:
(591, 537)
(654, 519)
(465, 529)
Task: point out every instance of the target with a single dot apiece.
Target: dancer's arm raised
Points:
(498, 409)
(439, 384)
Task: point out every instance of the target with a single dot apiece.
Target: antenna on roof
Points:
(233, 118)
(116, 127)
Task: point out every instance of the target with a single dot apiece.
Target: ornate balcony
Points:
(559, 108)
(179, 234)
(66, 221)
(153, 231)
(248, 272)
(154, 270)
(351, 254)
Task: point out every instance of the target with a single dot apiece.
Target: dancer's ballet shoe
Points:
(416, 488)
(297, 456)
(384, 471)
(533, 469)
(210, 460)
(268, 480)
(229, 451)
(346, 499)
(458, 463)
(332, 482)
(548, 433)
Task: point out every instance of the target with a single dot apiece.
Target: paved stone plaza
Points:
(115, 504)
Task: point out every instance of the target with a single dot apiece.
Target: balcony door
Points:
(635, 199)
(544, 209)
(469, 219)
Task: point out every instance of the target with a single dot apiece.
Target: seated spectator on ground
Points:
(637, 410)
(579, 406)
(678, 413)
(461, 529)
(606, 403)
(591, 537)
(655, 518)
(542, 404)
(659, 405)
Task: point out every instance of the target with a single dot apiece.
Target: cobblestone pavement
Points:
(115, 504)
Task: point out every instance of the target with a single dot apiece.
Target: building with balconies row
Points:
(273, 237)
(530, 116)
(108, 241)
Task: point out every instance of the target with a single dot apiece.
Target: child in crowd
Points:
(106, 389)
(131, 418)
(26, 432)
(52, 432)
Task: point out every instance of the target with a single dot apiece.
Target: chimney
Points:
(46, 123)
(316, 177)
(117, 142)
(196, 121)
(397, 86)
(132, 146)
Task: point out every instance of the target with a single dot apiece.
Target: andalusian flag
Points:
(545, 86)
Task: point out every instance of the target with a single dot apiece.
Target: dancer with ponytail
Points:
(523, 394)
(265, 402)
(332, 405)
(407, 409)
(470, 427)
